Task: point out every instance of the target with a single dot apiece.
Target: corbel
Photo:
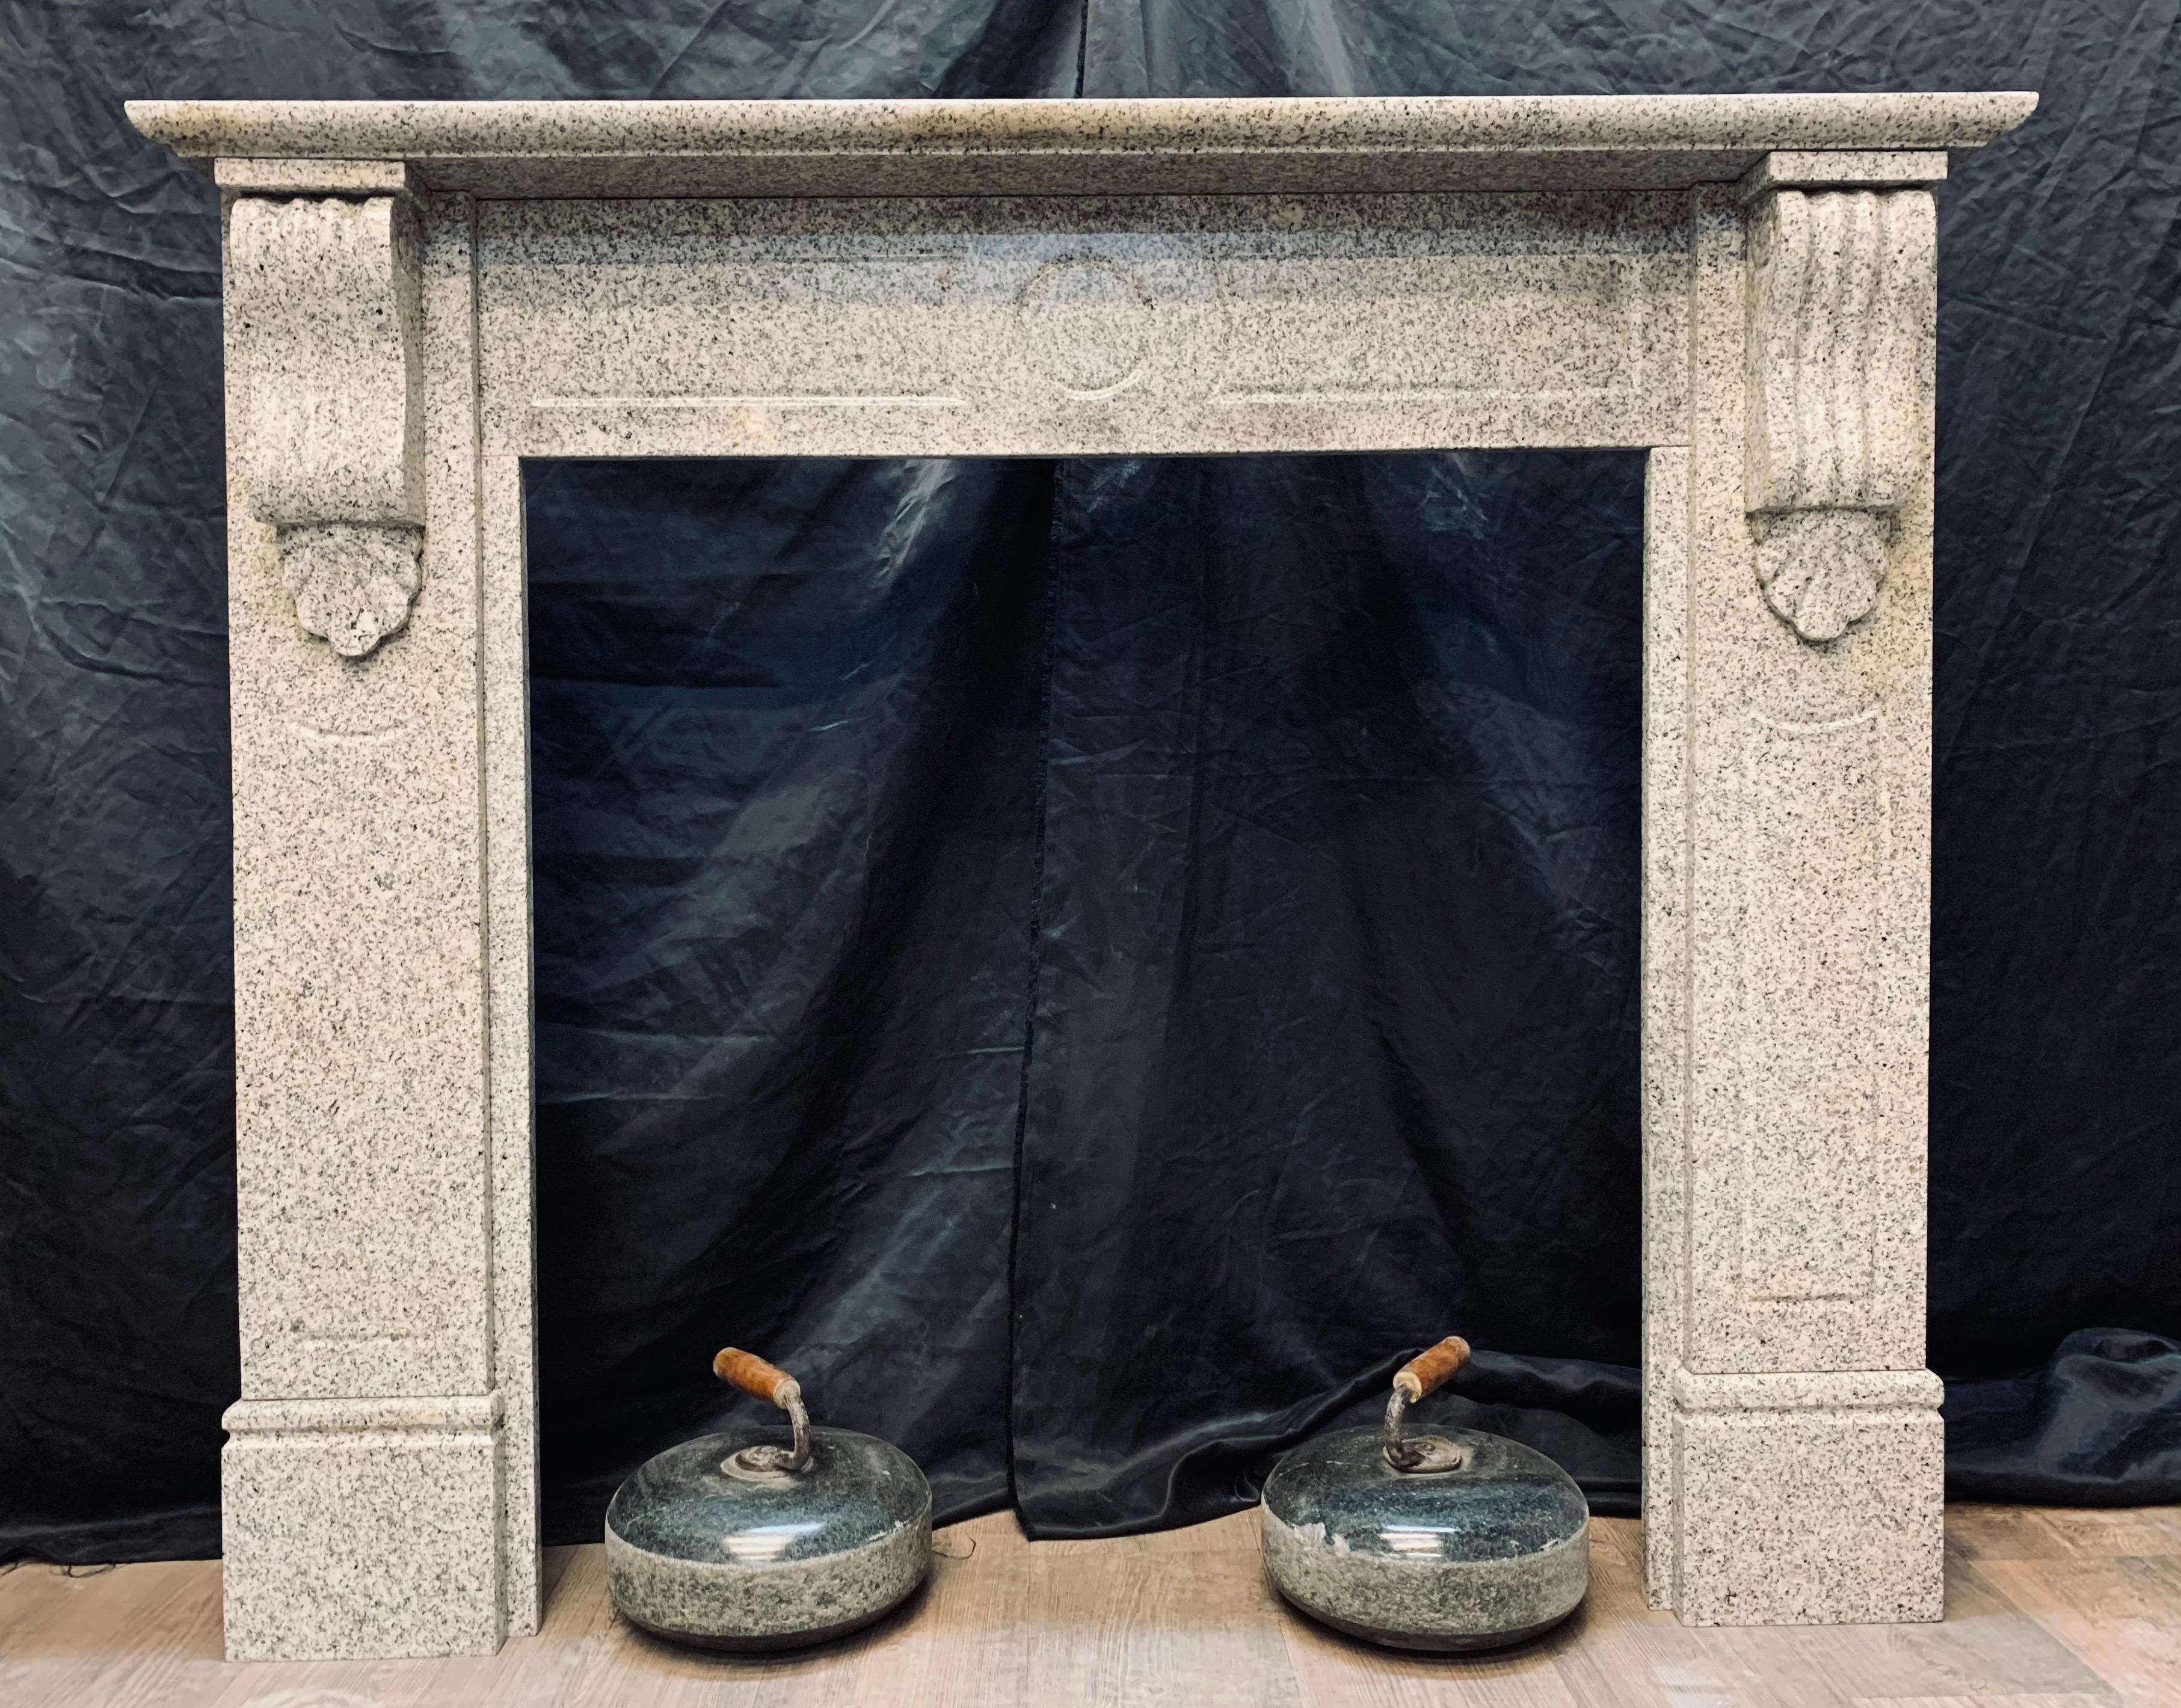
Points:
(321, 295)
(1841, 310)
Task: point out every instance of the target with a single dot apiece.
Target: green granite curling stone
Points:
(1463, 1540)
(768, 1538)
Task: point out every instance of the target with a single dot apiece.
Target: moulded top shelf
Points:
(1293, 145)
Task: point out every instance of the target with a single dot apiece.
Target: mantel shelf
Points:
(1056, 147)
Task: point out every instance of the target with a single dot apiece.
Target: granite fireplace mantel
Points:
(420, 296)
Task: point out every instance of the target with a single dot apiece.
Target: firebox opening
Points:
(1085, 963)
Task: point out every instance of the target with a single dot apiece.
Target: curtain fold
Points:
(1334, 1050)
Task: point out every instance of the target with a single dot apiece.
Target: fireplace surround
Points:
(418, 296)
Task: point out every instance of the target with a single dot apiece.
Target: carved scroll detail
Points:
(323, 302)
(1842, 309)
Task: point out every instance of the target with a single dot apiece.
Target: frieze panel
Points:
(1001, 327)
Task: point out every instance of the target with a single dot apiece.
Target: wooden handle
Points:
(1429, 1369)
(755, 1377)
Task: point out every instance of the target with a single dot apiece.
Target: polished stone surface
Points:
(1786, 910)
(356, 1528)
(1490, 1553)
(701, 1549)
(2050, 1609)
(1743, 284)
(998, 326)
(1313, 144)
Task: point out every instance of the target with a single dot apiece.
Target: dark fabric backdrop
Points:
(1090, 963)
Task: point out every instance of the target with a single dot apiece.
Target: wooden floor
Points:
(2054, 1609)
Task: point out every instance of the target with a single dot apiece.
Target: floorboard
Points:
(2044, 1609)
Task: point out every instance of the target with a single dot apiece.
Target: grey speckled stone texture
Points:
(1791, 1465)
(1810, 1498)
(356, 1529)
(342, 177)
(697, 1552)
(369, 1267)
(1044, 147)
(1002, 327)
(1743, 284)
(1492, 1553)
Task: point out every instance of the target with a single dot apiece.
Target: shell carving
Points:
(1841, 306)
(353, 582)
(1821, 570)
(323, 308)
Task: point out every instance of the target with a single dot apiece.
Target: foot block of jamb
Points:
(362, 1529)
(1812, 1500)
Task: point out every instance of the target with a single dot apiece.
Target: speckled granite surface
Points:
(367, 1257)
(996, 327)
(696, 1552)
(1809, 1498)
(1791, 1463)
(354, 1528)
(1071, 278)
(1345, 144)
(1489, 1554)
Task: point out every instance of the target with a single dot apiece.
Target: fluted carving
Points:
(323, 304)
(1841, 305)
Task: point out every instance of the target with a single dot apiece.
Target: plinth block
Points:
(359, 1529)
(1810, 1500)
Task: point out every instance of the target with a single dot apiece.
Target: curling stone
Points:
(767, 1538)
(1453, 1541)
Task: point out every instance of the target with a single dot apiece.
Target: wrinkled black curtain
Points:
(1092, 961)
(785, 725)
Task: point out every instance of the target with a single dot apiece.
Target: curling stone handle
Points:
(1424, 1373)
(763, 1381)
(755, 1377)
(1428, 1371)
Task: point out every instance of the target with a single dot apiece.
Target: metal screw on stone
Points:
(740, 1541)
(1451, 1541)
